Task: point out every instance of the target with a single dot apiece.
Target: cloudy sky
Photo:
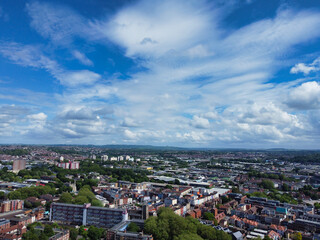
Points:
(181, 73)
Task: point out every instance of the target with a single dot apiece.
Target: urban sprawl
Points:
(136, 192)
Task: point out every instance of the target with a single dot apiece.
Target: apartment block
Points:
(4, 224)
(7, 206)
(69, 165)
(87, 215)
(18, 164)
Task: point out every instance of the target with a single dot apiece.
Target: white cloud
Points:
(195, 137)
(199, 122)
(76, 78)
(145, 30)
(82, 58)
(37, 117)
(32, 56)
(220, 77)
(130, 135)
(58, 23)
(301, 67)
(306, 68)
(305, 96)
(210, 115)
(129, 122)
(27, 56)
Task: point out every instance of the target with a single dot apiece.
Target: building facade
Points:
(87, 215)
(7, 206)
(18, 165)
(69, 165)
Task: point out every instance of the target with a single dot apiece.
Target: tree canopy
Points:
(169, 226)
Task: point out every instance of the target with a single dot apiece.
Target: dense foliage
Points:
(38, 233)
(257, 174)
(275, 195)
(169, 226)
(26, 192)
(133, 227)
(14, 152)
(85, 195)
(8, 176)
(93, 233)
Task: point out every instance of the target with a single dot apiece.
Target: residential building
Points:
(87, 215)
(18, 164)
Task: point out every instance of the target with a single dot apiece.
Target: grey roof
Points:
(237, 234)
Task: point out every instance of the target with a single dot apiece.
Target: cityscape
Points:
(159, 120)
(124, 192)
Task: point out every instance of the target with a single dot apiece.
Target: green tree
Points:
(30, 235)
(169, 226)
(81, 200)
(97, 203)
(188, 236)
(27, 204)
(43, 236)
(267, 184)
(48, 231)
(133, 227)
(95, 233)
(65, 198)
(82, 231)
(2, 195)
(297, 236)
(224, 199)
(215, 222)
(208, 216)
(73, 234)
(285, 187)
(14, 195)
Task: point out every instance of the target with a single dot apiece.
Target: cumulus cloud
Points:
(17, 120)
(37, 117)
(306, 68)
(199, 84)
(196, 137)
(83, 112)
(80, 128)
(147, 30)
(130, 135)
(301, 67)
(129, 122)
(306, 96)
(36, 125)
(199, 122)
(10, 116)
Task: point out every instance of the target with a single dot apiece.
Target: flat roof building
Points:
(87, 215)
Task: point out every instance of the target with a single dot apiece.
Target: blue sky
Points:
(183, 73)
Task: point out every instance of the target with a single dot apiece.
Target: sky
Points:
(187, 73)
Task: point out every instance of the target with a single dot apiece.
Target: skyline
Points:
(242, 74)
